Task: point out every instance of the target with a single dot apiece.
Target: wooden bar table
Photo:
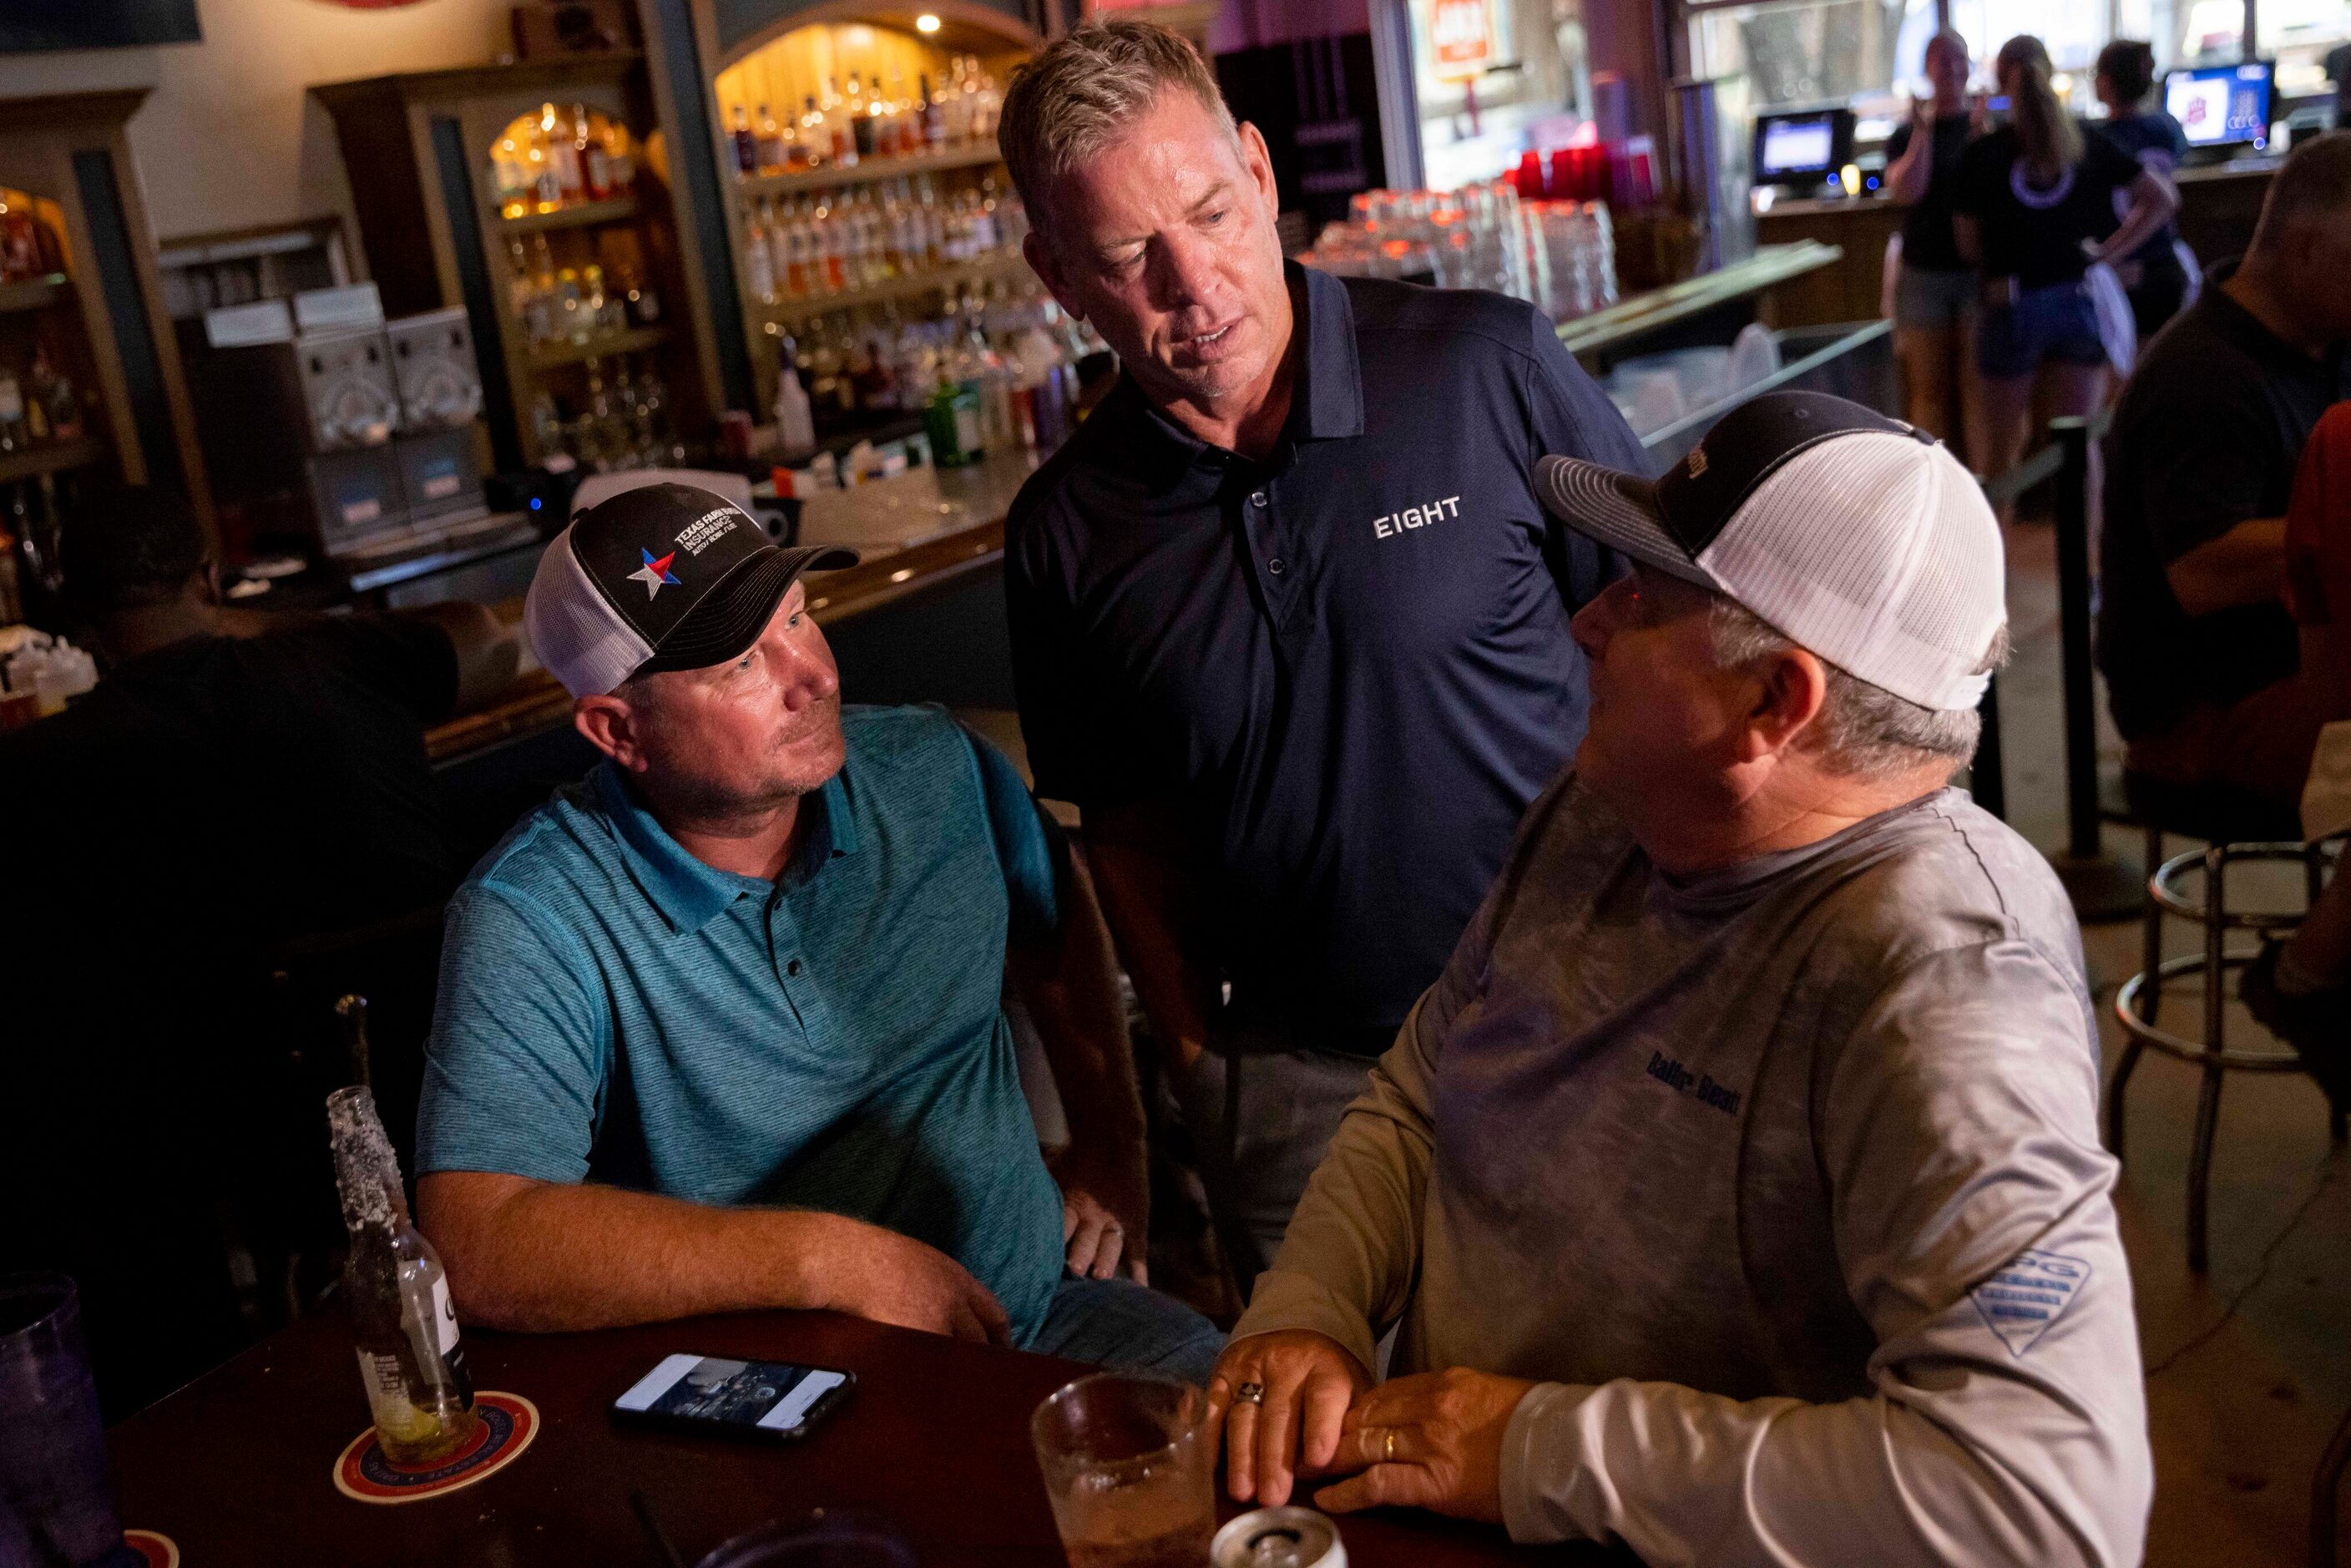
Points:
(237, 1467)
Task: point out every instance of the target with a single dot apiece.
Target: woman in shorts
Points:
(2036, 208)
(1934, 286)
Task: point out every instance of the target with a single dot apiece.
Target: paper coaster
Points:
(155, 1551)
(504, 1424)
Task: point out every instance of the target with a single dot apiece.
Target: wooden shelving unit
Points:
(868, 171)
(637, 340)
(797, 48)
(50, 457)
(580, 214)
(32, 294)
(419, 149)
(101, 317)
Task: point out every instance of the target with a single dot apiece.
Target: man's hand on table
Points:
(895, 1279)
(1432, 1441)
(1309, 1380)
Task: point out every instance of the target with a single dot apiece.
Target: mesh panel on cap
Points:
(1960, 597)
(1867, 550)
(573, 628)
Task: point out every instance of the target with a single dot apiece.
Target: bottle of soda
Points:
(410, 1360)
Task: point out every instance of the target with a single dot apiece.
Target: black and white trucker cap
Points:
(663, 577)
(1853, 535)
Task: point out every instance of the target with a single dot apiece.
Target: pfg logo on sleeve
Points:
(2029, 1293)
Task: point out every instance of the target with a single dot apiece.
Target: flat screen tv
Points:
(29, 25)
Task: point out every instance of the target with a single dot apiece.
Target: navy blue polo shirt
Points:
(612, 1010)
(1349, 666)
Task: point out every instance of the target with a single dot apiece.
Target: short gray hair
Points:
(1869, 732)
(1082, 93)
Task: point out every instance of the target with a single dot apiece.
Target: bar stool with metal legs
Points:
(2238, 830)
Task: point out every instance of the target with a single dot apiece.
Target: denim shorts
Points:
(1932, 299)
(2056, 322)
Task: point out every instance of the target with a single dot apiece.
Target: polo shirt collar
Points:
(1330, 394)
(2252, 335)
(1326, 405)
(688, 893)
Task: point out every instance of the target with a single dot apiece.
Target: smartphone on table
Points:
(762, 1401)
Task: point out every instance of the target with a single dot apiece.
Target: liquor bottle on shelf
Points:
(637, 296)
(562, 155)
(932, 118)
(15, 434)
(861, 124)
(51, 392)
(795, 422)
(814, 149)
(838, 113)
(955, 105)
(20, 238)
(595, 161)
(775, 221)
(410, 1356)
(767, 143)
(746, 146)
(568, 307)
(759, 264)
(511, 174)
(546, 184)
(621, 148)
(987, 103)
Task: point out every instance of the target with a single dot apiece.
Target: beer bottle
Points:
(410, 1359)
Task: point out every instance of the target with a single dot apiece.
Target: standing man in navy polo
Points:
(1288, 623)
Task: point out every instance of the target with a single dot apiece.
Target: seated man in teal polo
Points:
(721, 1026)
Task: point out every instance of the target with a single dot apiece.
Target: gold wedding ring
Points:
(1387, 1447)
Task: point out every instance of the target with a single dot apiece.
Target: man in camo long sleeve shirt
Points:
(1737, 1189)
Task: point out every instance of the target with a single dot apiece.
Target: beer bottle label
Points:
(444, 1316)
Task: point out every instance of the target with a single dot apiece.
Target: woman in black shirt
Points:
(1934, 288)
(2155, 275)
(2036, 209)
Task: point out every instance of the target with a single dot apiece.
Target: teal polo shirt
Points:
(612, 1010)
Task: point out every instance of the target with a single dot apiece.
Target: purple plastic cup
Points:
(56, 1487)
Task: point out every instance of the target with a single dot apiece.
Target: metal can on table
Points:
(1279, 1538)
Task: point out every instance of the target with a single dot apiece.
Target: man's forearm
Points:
(1149, 896)
(546, 1256)
(1685, 1476)
(1070, 982)
(2244, 566)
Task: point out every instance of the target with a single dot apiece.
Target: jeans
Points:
(2056, 322)
(1291, 1103)
(1125, 1327)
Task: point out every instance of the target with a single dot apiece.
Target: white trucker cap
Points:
(1852, 535)
(661, 577)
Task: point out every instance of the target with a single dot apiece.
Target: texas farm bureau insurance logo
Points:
(694, 538)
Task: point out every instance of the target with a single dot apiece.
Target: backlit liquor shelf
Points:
(561, 238)
(868, 170)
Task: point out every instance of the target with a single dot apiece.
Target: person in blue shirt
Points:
(2157, 276)
(722, 1027)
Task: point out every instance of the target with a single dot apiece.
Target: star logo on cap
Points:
(654, 573)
